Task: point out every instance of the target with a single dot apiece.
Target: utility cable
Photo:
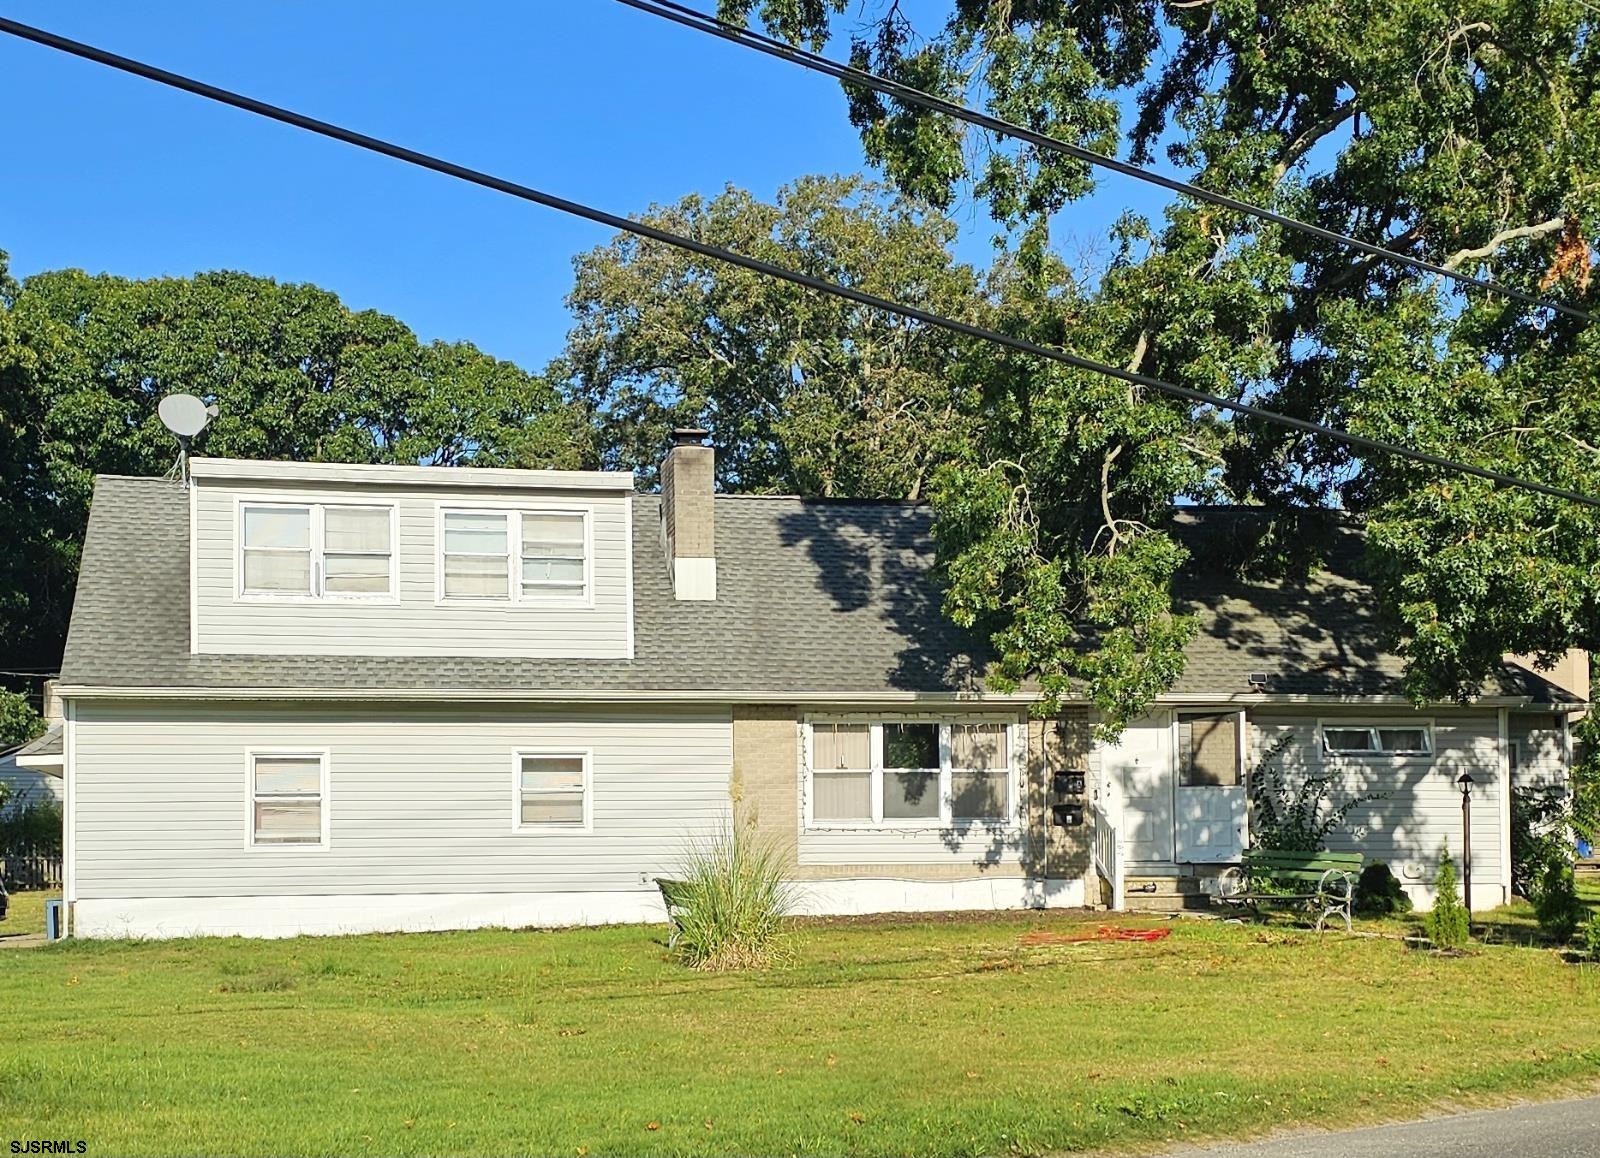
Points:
(693, 18)
(755, 265)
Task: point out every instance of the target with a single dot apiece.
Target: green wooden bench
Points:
(1321, 882)
(672, 896)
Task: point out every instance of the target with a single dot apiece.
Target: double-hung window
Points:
(288, 798)
(316, 550)
(909, 773)
(477, 555)
(551, 791)
(514, 556)
(1356, 739)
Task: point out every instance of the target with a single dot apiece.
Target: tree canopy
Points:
(1465, 135)
(803, 393)
(296, 374)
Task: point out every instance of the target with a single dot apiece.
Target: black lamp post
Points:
(1466, 782)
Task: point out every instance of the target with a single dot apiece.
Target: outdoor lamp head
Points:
(1466, 781)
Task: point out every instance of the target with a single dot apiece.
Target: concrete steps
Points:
(1165, 894)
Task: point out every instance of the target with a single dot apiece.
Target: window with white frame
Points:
(288, 792)
(477, 555)
(552, 791)
(316, 550)
(553, 551)
(276, 550)
(514, 556)
(1355, 739)
(900, 773)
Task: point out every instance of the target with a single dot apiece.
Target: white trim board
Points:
(728, 696)
(432, 912)
(478, 478)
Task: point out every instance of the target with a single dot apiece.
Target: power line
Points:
(755, 265)
(699, 21)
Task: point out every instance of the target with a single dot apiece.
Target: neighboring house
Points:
(31, 772)
(323, 698)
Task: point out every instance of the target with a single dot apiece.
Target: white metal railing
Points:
(1108, 854)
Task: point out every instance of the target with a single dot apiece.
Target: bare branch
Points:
(1501, 238)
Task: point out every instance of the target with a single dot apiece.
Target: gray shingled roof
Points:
(812, 596)
(51, 743)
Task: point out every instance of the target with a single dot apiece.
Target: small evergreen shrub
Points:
(1447, 924)
(1555, 901)
(1591, 937)
(1379, 893)
(734, 903)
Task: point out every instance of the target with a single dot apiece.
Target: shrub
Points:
(1291, 819)
(1448, 922)
(19, 723)
(1555, 901)
(1541, 823)
(734, 902)
(1379, 894)
(1591, 937)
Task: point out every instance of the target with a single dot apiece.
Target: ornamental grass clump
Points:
(733, 902)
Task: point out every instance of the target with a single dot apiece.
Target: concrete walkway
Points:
(1569, 1129)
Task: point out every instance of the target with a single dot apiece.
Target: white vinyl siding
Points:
(417, 803)
(1541, 744)
(590, 621)
(1420, 809)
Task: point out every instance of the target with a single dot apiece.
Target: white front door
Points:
(1211, 791)
(1139, 767)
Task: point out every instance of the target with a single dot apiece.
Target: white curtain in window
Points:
(277, 550)
(476, 555)
(288, 572)
(552, 790)
(281, 527)
(841, 796)
(288, 799)
(552, 549)
(841, 746)
(356, 550)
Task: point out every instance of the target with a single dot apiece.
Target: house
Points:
(330, 698)
(30, 774)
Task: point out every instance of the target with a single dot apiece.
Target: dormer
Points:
(293, 558)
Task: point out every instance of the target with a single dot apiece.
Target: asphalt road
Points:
(1568, 1129)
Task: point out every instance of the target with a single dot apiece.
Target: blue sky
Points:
(584, 98)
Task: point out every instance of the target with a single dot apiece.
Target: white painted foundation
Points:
(165, 917)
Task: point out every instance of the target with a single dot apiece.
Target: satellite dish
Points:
(184, 415)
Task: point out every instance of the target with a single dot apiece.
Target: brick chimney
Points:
(688, 516)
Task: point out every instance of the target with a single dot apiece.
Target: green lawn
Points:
(26, 913)
(938, 1037)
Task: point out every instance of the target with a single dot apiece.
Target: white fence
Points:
(1108, 854)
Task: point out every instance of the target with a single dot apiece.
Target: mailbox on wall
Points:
(1066, 815)
(1066, 792)
(1070, 783)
